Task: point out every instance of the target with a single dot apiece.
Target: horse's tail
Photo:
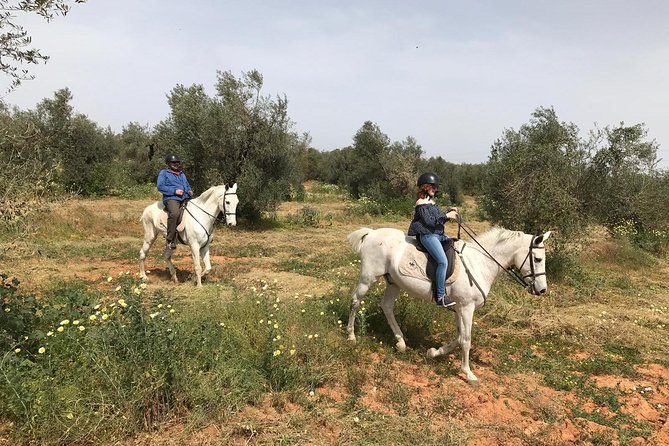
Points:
(356, 238)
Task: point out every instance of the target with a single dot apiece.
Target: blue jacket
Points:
(168, 183)
(427, 219)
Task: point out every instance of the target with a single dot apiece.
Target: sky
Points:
(451, 74)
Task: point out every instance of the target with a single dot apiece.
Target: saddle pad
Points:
(413, 263)
(180, 226)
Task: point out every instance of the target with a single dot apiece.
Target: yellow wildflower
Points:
(60, 329)
(49, 333)
(92, 317)
(65, 322)
(172, 310)
(105, 317)
(118, 288)
(75, 322)
(153, 315)
(109, 279)
(41, 350)
(82, 328)
(292, 351)
(277, 352)
(17, 350)
(160, 305)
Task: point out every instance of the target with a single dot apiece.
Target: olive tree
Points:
(532, 182)
(237, 135)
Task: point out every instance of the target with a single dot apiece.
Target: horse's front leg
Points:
(465, 318)
(197, 268)
(170, 265)
(388, 306)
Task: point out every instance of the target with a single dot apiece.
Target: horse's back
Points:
(151, 214)
(384, 242)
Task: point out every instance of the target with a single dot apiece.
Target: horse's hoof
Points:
(352, 338)
(432, 353)
(401, 346)
(473, 382)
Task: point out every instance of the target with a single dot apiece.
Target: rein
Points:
(510, 271)
(215, 217)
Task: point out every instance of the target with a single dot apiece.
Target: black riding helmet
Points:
(428, 178)
(171, 158)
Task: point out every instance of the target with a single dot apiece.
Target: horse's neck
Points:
(210, 208)
(488, 266)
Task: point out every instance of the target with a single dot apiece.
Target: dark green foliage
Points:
(624, 189)
(236, 136)
(77, 145)
(373, 167)
(532, 181)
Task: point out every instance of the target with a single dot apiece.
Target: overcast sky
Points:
(452, 74)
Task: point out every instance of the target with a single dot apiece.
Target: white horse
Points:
(198, 227)
(381, 251)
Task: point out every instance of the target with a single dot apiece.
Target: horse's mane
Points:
(204, 196)
(498, 235)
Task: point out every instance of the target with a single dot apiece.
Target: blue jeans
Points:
(432, 242)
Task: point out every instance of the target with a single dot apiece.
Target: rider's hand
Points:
(190, 193)
(179, 192)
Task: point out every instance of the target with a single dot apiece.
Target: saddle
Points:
(181, 220)
(417, 263)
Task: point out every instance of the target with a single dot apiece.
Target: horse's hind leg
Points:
(170, 265)
(149, 238)
(388, 306)
(204, 253)
(358, 294)
(195, 250)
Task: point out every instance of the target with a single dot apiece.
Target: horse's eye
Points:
(227, 202)
(537, 260)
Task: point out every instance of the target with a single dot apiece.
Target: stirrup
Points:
(445, 302)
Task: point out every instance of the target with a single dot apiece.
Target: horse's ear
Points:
(233, 188)
(539, 239)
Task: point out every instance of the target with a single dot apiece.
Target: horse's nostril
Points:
(542, 291)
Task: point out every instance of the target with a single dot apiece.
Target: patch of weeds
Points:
(626, 426)
(603, 396)
(309, 217)
(628, 354)
(562, 380)
(399, 396)
(243, 250)
(560, 266)
(444, 404)
(622, 283)
(605, 365)
(586, 284)
(633, 257)
(355, 378)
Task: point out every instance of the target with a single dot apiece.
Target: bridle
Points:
(529, 285)
(217, 217)
(533, 274)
